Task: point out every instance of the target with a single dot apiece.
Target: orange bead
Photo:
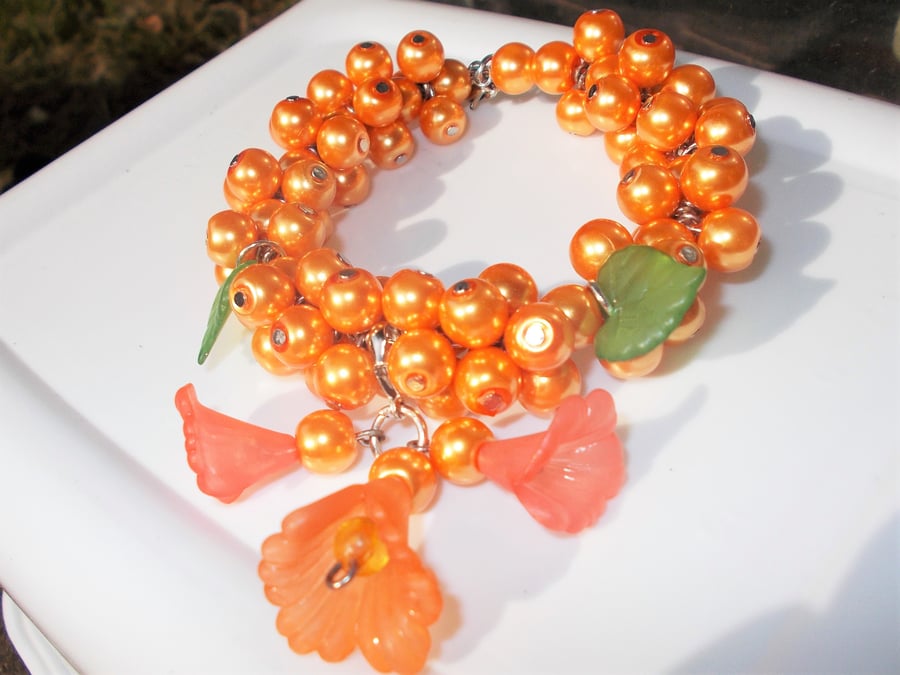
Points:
(421, 363)
(330, 90)
(612, 102)
(314, 269)
(685, 252)
(593, 243)
(690, 324)
(618, 143)
(542, 392)
(358, 546)
(366, 60)
(514, 283)
(554, 67)
(259, 293)
(693, 81)
(412, 98)
(570, 114)
(294, 123)
(597, 33)
(344, 376)
(603, 66)
(714, 177)
(666, 120)
(298, 229)
(234, 202)
(648, 192)
(443, 120)
(351, 300)
(411, 298)
(512, 68)
(392, 146)
(539, 336)
(291, 156)
(442, 406)
(377, 101)
(661, 229)
(300, 335)
(265, 356)
(353, 185)
(725, 121)
(261, 212)
(641, 153)
(473, 313)
(227, 234)
(287, 264)
(729, 238)
(582, 310)
(311, 183)
(453, 81)
(487, 381)
(636, 367)
(253, 175)
(342, 142)
(414, 468)
(420, 56)
(221, 273)
(326, 442)
(454, 449)
(647, 57)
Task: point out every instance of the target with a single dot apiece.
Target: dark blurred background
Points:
(67, 69)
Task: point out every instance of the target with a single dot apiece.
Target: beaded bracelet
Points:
(474, 348)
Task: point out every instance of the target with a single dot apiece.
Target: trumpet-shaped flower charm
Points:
(343, 575)
(565, 475)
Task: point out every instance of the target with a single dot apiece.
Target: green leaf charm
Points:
(646, 294)
(219, 312)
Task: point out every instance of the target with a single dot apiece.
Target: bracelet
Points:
(473, 348)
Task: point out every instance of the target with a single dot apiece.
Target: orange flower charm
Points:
(343, 575)
(565, 475)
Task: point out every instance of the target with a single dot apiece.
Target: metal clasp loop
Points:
(483, 86)
(377, 340)
(264, 250)
(374, 435)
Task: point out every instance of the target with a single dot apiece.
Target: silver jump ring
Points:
(265, 251)
(395, 410)
(335, 582)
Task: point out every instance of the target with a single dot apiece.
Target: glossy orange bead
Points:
(661, 229)
(454, 449)
(570, 114)
(487, 381)
(618, 143)
(648, 192)
(666, 120)
(542, 392)
(234, 202)
(453, 80)
(294, 122)
(298, 229)
(421, 363)
(641, 153)
(647, 57)
(554, 67)
(287, 264)
(357, 545)
(310, 182)
(512, 68)
(366, 60)
(725, 121)
(598, 33)
(636, 367)
(411, 96)
(729, 239)
(314, 269)
(682, 251)
(261, 212)
(593, 243)
(330, 90)
(473, 313)
(612, 102)
(393, 145)
(344, 376)
(420, 56)
(690, 323)
(300, 335)
(514, 283)
(539, 336)
(259, 293)
(227, 234)
(414, 468)
(342, 142)
(253, 174)
(377, 101)
(442, 120)
(351, 300)
(353, 185)
(582, 310)
(714, 177)
(326, 442)
(693, 81)
(411, 299)
(442, 406)
(290, 156)
(261, 347)
(221, 273)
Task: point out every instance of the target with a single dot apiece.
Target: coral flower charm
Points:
(229, 455)
(343, 575)
(563, 476)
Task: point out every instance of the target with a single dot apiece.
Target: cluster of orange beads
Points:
(482, 344)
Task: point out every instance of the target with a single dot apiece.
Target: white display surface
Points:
(759, 529)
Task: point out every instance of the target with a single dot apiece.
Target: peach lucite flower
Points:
(229, 455)
(343, 575)
(565, 475)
